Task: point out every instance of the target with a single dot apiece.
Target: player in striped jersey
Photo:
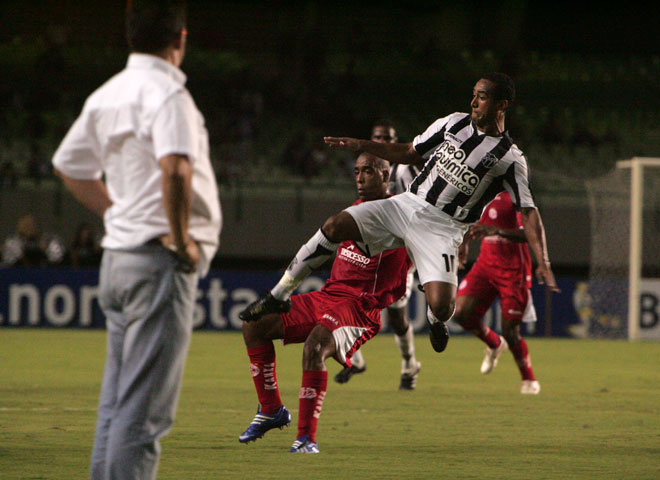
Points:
(470, 158)
(333, 322)
(400, 177)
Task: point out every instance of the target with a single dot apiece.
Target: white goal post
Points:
(636, 166)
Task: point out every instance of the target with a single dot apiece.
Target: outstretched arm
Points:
(394, 152)
(535, 234)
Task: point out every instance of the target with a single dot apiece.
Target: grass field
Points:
(598, 414)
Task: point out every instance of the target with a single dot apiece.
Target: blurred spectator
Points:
(28, 248)
(85, 250)
(8, 175)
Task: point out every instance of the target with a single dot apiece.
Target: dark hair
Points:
(379, 163)
(383, 123)
(504, 86)
(152, 25)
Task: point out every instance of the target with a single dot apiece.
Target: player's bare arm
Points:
(394, 152)
(479, 231)
(93, 194)
(535, 233)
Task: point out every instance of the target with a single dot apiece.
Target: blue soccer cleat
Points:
(263, 422)
(304, 445)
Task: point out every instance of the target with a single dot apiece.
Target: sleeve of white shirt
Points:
(175, 127)
(78, 154)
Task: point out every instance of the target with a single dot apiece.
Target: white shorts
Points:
(429, 235)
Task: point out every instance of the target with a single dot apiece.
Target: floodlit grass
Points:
(598, 414)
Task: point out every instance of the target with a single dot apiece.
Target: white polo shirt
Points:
(137, 117)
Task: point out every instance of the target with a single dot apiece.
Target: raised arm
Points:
(535, 233)
(394, 152)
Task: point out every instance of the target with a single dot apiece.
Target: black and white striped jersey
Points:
(466, 169)
(400, 177)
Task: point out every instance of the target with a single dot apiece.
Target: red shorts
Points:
(350, 323)
(512, 286)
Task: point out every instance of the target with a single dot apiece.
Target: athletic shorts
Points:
(487, 283)
(349, 321)
(430, 236)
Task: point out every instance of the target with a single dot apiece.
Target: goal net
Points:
(621, 298)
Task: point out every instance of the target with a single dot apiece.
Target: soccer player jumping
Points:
(470, 158)
(333, 322)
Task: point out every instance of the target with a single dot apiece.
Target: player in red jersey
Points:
(333, 322)
(503, 269)
(401, 176)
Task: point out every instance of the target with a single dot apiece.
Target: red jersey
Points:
(497, 251)
(380, 280)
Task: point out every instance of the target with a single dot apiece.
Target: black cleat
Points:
(409, 378)
(439, 335)
(263, 306)
(345, 375)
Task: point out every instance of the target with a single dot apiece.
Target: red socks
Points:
(262, 367)
(521, 355)
(489, 337)
(312, 393)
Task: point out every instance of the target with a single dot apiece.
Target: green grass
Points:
(597, 417)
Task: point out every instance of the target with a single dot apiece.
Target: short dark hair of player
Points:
(384, 123)
(504, 86)
(153, 25)
(379, 163)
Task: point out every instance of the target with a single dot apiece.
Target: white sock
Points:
(358, 360)
(406, 344)
(311, 255)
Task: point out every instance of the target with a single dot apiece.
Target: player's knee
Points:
(312, 355)
(511, 332)
(331, 229)
(249, 333)
(442, 311)
(398, 320)
(341, 227)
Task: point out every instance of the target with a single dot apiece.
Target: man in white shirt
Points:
(142, 131)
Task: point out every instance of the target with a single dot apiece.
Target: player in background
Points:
(503, 269)
(470, 158)
(400, 177)
(333, 322)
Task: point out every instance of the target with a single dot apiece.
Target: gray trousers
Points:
(148, 306)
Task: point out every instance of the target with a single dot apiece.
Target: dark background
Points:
(272, 78)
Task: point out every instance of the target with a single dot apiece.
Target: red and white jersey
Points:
(497, 251)
(380, 280)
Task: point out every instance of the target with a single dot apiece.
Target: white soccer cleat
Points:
(530, 387)
(491, 356)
